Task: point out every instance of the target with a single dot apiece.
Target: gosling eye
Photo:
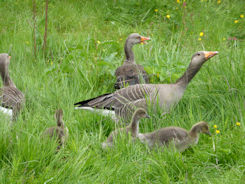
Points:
(199, 54)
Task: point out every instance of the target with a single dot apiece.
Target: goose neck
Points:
(129, 52)
(189, 74)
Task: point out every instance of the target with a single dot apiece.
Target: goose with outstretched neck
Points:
(120, 103)
(181, 138)
(11, 98)
(131, 73)
(133, 128)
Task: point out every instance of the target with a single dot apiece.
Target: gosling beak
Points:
(210, 54)
(9, 57)
(147, 116)
(209, 133)
(143, 39)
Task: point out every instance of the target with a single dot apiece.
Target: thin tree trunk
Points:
(46, 27)
(34, 27)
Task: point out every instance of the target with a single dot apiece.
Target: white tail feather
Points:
(6, 111)
(103, 112)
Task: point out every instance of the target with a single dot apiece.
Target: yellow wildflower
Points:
(156, 10)
(217, 131)
(242, 16)
(199, 39)
(201, 34)
(224, 39)
(215, 126)
(120, 39)
(51, 63)
(168, 16)
(238, 123)
(98, 42)
(236, 21)
(219, 1)
(27, 42)
(178, 1)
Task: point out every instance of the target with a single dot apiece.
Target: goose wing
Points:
(130, 95)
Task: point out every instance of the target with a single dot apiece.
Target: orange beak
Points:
(9, 57)
(210, 54)
(143, 39)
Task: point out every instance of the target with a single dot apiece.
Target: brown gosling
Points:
(181, 138)
(133, 128)
(59, 131)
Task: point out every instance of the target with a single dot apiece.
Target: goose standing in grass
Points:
(11, 98)
(131, 73)
(59, 131)
(133, 128)
(120, 103)
(181, 138)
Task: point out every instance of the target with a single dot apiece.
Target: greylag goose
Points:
(131, 73)
(11, 98)
(122, 103)
(133, 127)
(181, 138)
(60, 131)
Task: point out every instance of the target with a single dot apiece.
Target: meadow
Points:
(84, 47)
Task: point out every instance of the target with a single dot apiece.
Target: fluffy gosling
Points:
(181, 138)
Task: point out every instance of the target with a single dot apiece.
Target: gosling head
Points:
(202, 127)
(135, 38)
(58, 114)
(140, 113)
(201, 57)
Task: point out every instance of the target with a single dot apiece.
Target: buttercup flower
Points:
(224, 39)
(199, 39)
(178, 1)
(201, 34)
(219, 1)
(98, 42)
(217, 131)
(215, 126)
(238, 123)
(156, 10)
(168, 16)
(120, 39)
(236, 21)
(242, 16)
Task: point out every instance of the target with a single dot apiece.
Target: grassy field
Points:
(84, 47)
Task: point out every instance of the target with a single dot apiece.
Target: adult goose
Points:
(131, 73)
(181, 138)
(121, 103)
(11, 98)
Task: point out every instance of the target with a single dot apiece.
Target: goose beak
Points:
(210, 54)
(147, 116)
(143, 39)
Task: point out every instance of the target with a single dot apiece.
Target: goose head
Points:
(135, 38)
(200, 57)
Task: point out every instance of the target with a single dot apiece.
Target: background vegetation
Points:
(84, 47)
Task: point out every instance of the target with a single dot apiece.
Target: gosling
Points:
(59, 131)
(133, 128)
(181, 138)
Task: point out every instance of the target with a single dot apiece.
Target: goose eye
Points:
(199, 54)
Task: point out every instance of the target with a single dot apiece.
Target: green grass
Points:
(77, 67)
